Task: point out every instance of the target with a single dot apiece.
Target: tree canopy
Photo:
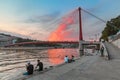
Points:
(112, 27)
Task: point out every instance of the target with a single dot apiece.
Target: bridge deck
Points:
(25, 48)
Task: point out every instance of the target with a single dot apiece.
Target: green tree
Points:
(112, 27)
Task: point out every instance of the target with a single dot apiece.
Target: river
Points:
(12, 63)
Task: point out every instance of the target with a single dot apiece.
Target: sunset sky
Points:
(35, 18)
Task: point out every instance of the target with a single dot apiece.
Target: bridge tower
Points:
(80, 25)
(80, 33)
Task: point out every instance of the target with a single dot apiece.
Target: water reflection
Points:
(56, 56)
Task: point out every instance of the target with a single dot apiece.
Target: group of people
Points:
(39, 67)
(67, 60)
(30, 67)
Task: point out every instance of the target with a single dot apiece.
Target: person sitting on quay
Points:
(40, 65)
(71, 60)
(66, 59)
(29, 68)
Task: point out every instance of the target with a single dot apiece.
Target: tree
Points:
(112, 27)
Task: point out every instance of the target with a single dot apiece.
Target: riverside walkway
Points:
(86, 68)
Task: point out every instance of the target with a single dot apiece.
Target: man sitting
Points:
(29, 68)
(40, 65)
(71, 60)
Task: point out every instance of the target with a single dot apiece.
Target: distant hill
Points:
(18, 39)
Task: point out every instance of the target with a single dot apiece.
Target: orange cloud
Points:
(61, 33)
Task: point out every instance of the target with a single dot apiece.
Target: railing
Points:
(25, 48)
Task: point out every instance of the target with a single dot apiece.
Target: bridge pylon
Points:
(81, 50)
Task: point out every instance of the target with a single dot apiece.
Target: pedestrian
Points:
(40, 65)
(102, 51)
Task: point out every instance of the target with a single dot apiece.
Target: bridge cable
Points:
(110, 24)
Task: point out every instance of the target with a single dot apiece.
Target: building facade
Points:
(6, 40)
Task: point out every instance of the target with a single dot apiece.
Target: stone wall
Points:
(116, 42)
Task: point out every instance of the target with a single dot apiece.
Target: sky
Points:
(36, 19)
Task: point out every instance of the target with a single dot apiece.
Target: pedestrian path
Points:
(86, 68)
(69, 71)
(113, 50)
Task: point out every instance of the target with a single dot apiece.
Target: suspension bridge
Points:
(62, 34)
(86, 68)
(68, 30)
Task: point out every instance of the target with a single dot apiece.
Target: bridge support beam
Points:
(81, 50)
(80, 25)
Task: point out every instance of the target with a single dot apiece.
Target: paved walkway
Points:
(69, 71)
(113, 51)
(86, 68)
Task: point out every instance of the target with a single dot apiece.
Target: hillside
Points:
(18, 39)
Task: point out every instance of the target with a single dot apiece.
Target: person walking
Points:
(102, 51)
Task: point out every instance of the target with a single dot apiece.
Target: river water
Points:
(12, 63)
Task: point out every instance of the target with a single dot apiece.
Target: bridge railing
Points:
(25, 48)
